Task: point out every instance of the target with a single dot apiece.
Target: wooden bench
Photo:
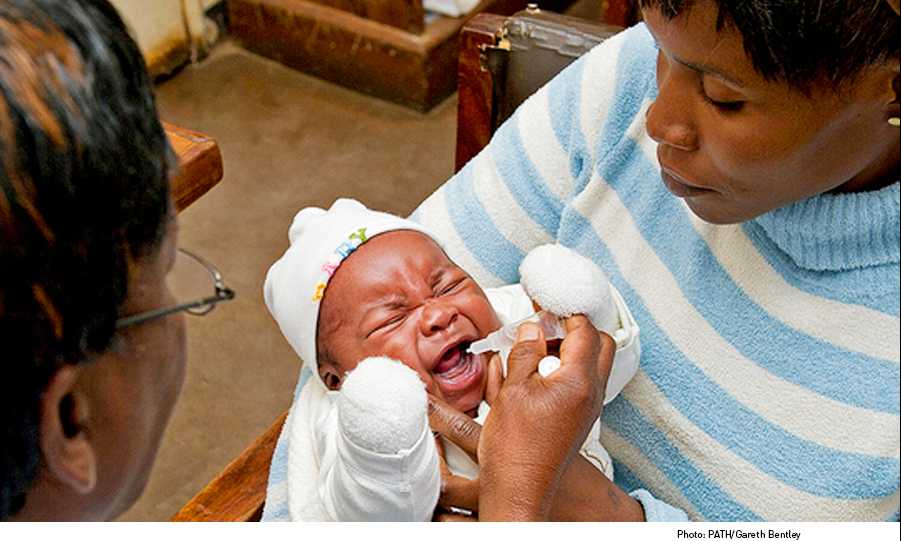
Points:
(237, 494)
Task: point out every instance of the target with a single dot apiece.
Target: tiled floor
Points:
(288, 141)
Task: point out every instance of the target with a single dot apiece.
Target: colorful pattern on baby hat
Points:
(354, 241)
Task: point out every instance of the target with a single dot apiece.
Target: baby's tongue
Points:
(450, 361)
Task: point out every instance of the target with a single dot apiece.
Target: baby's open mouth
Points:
(457, 370)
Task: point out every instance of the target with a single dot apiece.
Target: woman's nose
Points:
(669, 118)
(437, 315)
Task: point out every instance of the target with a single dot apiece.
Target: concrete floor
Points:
(288, 141)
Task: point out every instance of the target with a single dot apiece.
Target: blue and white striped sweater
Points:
(770, 370)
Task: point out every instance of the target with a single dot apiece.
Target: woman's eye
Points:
(729, 106)
(709, 93)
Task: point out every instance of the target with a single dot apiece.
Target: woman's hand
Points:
(583, 492)
(537, 424)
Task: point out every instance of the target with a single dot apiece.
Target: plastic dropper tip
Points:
(472, 349)
(479, 346)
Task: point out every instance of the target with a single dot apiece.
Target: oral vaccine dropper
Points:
(553, 327)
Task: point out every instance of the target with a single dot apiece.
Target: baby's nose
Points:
(437, 316)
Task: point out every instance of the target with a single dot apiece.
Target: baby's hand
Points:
(383, 406)
(565, 283)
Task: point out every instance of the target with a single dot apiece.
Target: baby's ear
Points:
(330, 376)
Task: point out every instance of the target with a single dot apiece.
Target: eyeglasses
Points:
(196, 285)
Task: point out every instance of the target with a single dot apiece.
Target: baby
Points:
(388, 316)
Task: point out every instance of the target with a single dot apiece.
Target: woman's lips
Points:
(678, 186)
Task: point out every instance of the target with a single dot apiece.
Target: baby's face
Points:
(399, 295)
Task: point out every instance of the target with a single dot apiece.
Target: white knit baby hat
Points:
(320, 241)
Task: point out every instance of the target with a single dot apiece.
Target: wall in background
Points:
(170, 33)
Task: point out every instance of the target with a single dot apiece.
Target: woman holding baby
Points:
(733, 168)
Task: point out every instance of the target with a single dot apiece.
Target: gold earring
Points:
(894, 121)
(896, 6)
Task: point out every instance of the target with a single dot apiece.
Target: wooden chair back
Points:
(504, 60)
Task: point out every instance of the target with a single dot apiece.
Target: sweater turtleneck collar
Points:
(833, 232)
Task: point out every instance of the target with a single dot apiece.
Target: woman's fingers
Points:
(454, 425)
(456, 491)
(581, 337)
(495, 378)
(537, 423)
(528, 350)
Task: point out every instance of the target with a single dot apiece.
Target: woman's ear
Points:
(68, 454)
(895, 105)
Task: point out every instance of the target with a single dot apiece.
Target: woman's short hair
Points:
(805, 42)
(84, 191)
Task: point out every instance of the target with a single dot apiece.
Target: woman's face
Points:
(735, 145)
(134, 386)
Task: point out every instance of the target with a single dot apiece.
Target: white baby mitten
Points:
(387, 465)
(383, 406)
(564, 282)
